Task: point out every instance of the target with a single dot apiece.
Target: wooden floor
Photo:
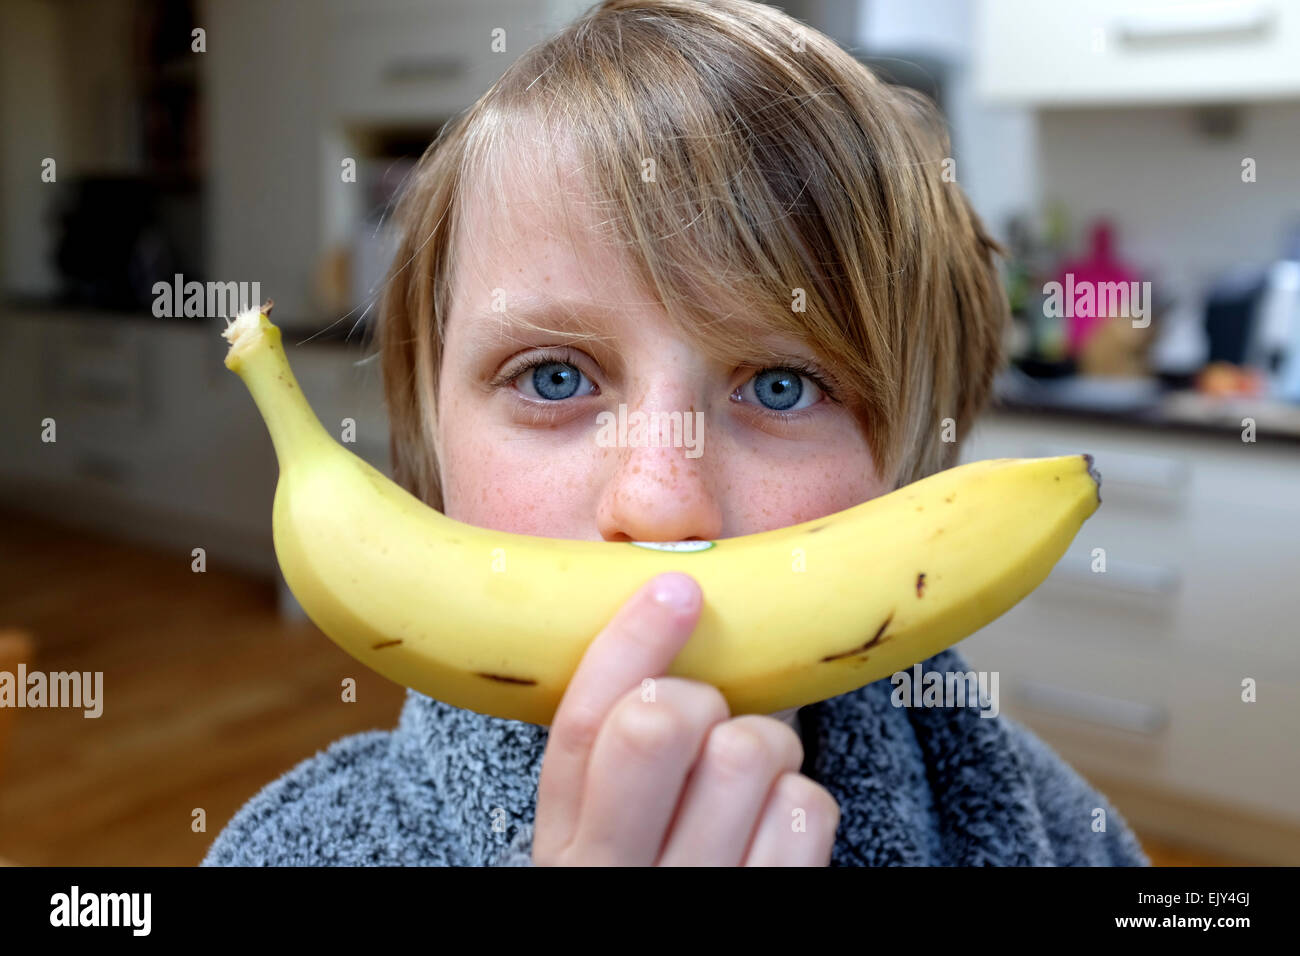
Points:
(208, 696)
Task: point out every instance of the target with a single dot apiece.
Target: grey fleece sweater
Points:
(916, 786)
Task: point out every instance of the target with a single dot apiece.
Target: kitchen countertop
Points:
(1181, 410)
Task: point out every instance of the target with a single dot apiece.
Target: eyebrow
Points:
(575, 320)
(572, 319)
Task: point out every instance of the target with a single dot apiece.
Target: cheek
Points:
(765, 495)
(494, 478)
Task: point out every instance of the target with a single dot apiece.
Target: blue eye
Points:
(777, 388)
(781, 389)
(553, 381)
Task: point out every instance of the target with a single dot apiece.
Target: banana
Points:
(497, 623)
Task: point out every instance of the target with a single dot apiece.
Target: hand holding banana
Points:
(676, 781)
(498, 623)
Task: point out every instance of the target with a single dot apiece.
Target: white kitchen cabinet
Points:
(1135, 673)
(412, 60)
(394, 60)
(157, 441)
(1130, 52)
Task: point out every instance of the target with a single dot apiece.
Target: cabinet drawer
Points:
(1141, 477)
(1136, 51)
(96, 374)
(1197, 534)
(402, 60)
(1136, 673)
(1171, 721)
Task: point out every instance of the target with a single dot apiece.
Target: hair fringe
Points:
(776, 170)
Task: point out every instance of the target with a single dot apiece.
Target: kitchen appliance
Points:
(111, 247)
(1230, 309)
(1274, 342)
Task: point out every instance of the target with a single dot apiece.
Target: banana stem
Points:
(257, 356)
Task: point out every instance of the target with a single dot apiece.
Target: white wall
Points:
(262, 76)
(1177, 197)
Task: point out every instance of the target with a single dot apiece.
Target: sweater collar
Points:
(916, 786)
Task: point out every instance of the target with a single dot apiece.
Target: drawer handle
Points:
(1129, 576)
(1110, 712)
(1196, 21)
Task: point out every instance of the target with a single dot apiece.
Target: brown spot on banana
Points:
(920, 583)
(382, 644)
(526, 681)
(879, 636)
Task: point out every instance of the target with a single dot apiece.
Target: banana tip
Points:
(1094, 474)
(245, 329)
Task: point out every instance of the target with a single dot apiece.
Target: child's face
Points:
(528, 456)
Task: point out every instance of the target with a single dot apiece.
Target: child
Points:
(702, 208)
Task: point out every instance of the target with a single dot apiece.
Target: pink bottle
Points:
(1098, 266)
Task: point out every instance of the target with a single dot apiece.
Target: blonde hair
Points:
(780, 164)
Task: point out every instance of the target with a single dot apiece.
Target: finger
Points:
(797, 827)
(640, 763)
(728, 790)
(639, 642)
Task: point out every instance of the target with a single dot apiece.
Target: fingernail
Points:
(675, 591)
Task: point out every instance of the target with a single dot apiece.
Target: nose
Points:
(658, 494)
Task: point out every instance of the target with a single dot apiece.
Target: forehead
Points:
(532, 231)
(530, 222)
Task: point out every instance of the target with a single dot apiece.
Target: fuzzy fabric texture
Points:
(916, 786)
